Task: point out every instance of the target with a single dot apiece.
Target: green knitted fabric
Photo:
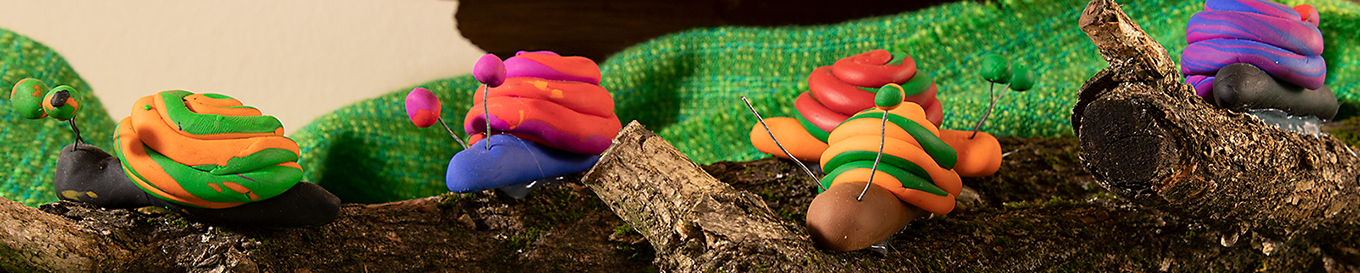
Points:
(686, 86)
(30, 147)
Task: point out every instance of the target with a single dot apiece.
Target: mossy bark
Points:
(1240, 197)
(1146, 136)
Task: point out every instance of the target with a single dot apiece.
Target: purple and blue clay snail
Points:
(1256, 54)
(548, 116)
(204, 154)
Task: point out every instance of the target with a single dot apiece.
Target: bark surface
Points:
(1190, 189)
(1145, 136)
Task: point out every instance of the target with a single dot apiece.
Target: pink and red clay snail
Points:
(547, 116)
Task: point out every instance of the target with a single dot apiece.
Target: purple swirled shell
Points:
(1271, 36)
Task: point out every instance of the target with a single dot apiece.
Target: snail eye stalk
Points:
(781, 146)
(889, 97)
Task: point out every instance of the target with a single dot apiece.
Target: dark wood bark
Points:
(1146, 136)
(695, 222)
(1041, 212)
(1203, 189)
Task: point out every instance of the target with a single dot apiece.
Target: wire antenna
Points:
(781, 146)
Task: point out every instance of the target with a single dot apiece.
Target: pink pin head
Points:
(422, 106)
(489, 70)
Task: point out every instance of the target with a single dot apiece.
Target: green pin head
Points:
(995, 69)
(1022, 79)
(60, 103)
(26, 98)
(889, 96)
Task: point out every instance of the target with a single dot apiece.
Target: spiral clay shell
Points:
(1281, 40)
(205, 150)
(916, 166)
(550, 99)
(840, 90)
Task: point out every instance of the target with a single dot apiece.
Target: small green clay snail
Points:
(204, 154)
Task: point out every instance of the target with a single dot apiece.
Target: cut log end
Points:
(1125, 148)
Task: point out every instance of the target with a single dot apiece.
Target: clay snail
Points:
(1245, 55)
(912, 161)
(840, 90)
(221, 162)
(537, 116)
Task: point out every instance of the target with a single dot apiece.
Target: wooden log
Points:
(695, 222)
(1146, 136)
(32, 240)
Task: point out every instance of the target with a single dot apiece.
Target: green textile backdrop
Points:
(686, 87)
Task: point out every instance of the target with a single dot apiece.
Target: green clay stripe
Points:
(210, 124)
(812, 129)
(898, 58)
(918, 83)
(263, 158)
(218, 96)
(909, 180)
(857, 155)
(264, 182)
(131, 172)
(936, 148)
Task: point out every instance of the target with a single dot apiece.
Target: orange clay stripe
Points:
(570, 65)
(858, 127)
(947, 180)
(910, 110)
(940, 151)
(202, 104)
(194, 152)
(158, 105)
(148, 175)
(580, 97)
(560, 117)
(933, 203)
(790, 133)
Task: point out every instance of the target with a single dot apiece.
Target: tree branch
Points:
(1145, 136)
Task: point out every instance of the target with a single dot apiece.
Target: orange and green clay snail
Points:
(914, 174)
(205, 150)
(204, 154)
(891, 163)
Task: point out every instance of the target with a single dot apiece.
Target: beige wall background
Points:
(294, 59)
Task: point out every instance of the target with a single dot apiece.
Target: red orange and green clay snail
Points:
(206, 155)
(889, 163)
